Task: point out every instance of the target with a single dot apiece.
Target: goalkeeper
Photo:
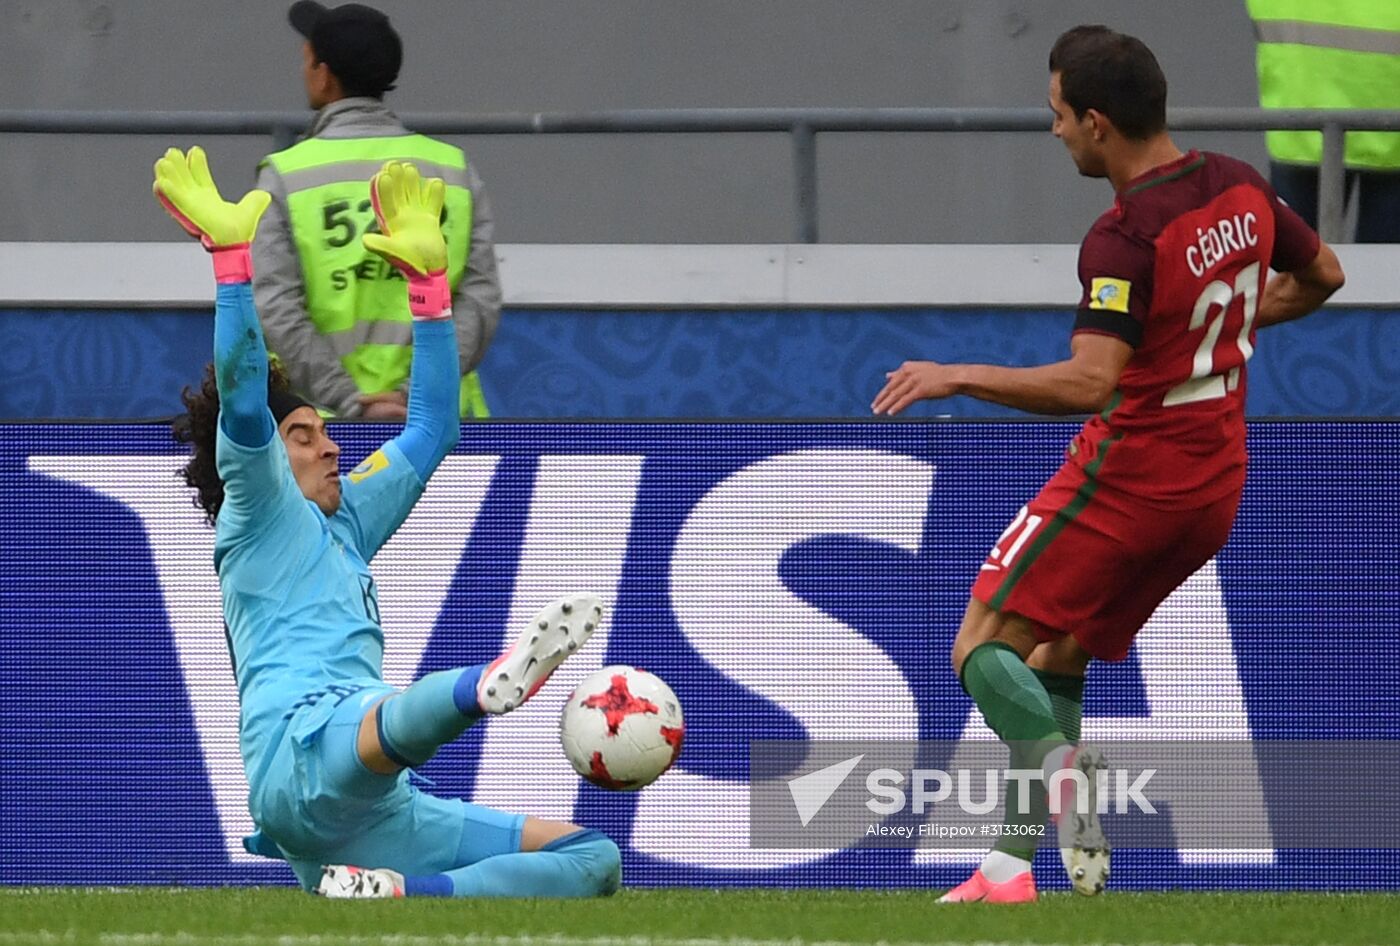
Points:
(326, 743)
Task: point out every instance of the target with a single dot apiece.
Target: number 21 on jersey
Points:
(1016, 534)
(1206, 383)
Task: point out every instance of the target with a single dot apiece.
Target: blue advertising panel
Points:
(723, 363)
(788, 581)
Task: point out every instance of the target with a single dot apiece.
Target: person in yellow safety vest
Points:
(334, 314)
(1333, 54)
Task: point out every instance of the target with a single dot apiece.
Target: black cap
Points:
(355, 41)
(282, 402)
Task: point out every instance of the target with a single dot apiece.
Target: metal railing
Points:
(802, 125)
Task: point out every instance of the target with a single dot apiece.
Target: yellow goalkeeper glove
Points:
(409, 210)
(187, 192)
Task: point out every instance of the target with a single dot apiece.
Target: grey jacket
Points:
(314, 369)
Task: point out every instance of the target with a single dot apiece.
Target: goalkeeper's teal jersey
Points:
(300, 605)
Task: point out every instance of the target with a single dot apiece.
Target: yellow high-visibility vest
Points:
(1333, 54)
(355, 299)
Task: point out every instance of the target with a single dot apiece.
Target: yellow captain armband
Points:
(1110, 294)
(374, 463)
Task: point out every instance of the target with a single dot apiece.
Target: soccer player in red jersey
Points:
(1176, 283)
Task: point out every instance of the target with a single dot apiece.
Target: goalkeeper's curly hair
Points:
(198, 427)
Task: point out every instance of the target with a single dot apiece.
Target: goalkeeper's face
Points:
(315, 458)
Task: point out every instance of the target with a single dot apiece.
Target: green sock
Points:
(1066, 700)
(1013, 702)
(1012, 699)
(1067, 704)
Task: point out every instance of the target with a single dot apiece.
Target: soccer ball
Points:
(622, 728)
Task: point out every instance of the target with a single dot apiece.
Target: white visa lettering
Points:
(736, 610)
(1228, 235)
(575, 539)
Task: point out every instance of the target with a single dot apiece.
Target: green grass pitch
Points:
(160, 916)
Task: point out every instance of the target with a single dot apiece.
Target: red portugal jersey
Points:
(1176, 269)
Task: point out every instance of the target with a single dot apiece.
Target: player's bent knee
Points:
(608, 868)
(598, 860)
(978, 625)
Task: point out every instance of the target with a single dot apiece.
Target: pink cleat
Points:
(978, 889)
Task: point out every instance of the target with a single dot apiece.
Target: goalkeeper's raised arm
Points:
(409, 211)
(186, 189)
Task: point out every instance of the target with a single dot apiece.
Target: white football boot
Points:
(1084, 849)
(343, 882)
(557, 631)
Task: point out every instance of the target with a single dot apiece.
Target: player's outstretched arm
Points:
(1082, 384)
(1289, 296)
(409, 210)
(185, 188)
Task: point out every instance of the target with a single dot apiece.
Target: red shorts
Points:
(1091, 561)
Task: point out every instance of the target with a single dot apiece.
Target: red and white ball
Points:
(622, 728)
